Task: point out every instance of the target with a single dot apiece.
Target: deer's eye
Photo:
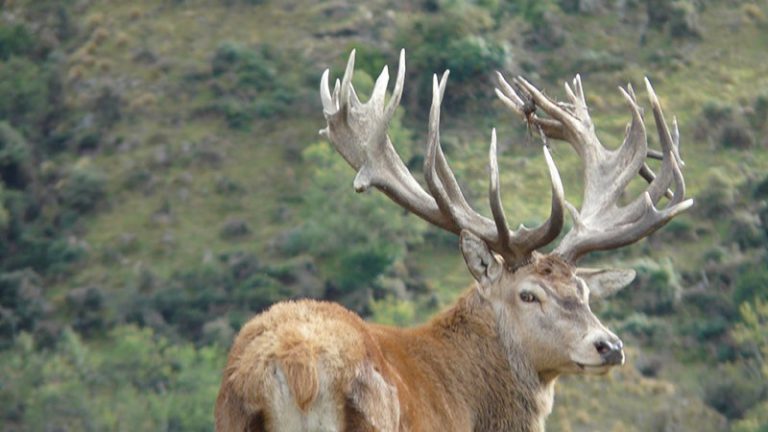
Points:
(528, 297)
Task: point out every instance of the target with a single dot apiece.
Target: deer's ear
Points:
(605, 282)
(480, 261)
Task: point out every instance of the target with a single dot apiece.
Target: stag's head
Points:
(540, 301)
(543, 308)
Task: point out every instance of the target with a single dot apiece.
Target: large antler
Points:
(602, 223)
(358, 131)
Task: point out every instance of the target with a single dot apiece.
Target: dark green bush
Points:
(234, 229)
(758, 117)
(716, 114)
(35, 246)
(736, 136)
(684, 20)
(22, 304)
(680, 17)
(15, 157)
(653, 292)
(731, 391)
(358, 267)
(83, 190)
(719, 197)
(23, 94)
(760, 190)
(451, 40)
(472, 56)
(746, 230)
(547, 31)
(680, 228)
(258, 292)
(643, 327)
(86, 307)
(15, 40)
(752, 283)
(712, 303)
(247, 84)
(191, 299)
(108, 107)
(707, 328)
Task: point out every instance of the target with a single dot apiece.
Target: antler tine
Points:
(629, 159)
(659, 185)
(437, 183)
(494, 194)
(397, 93)
(577, 98)
(550, 229)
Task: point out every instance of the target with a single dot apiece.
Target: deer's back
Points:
(306, 365)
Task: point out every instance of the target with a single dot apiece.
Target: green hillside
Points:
(162, 180)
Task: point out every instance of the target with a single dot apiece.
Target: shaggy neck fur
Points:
(502, 388)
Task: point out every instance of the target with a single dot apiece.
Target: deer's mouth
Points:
(600, 368)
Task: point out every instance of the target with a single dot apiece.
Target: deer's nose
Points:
(611, 350)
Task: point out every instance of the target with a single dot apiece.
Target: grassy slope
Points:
(726, 66)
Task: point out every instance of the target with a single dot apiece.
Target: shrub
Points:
(247, 84)
(655, 290)
(718, 198)
(760, 190)
(87, 307)
(191, 299)
(708, 329)
(234, 229)
(680, 228)
(731, 391)
(23, 94)
(15, 157)
(15, 40)
(22, 304)
(746, 230)
(643, 327)
(108, 107)
(684, 20)
(751, 284)
(679, 17)
(736, 136)
(258, 292)
(359, 266)
(546, 31)
(451, 40)
(83, 190)
(472, 56)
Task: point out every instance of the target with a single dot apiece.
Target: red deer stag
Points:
(490, 362)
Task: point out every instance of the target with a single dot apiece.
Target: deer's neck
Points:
(494, 376)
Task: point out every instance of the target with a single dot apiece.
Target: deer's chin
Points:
(591, 369)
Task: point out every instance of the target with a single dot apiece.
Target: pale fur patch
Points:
(321, 416)
(376, 399)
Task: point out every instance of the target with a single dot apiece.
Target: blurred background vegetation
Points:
(161, 181)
